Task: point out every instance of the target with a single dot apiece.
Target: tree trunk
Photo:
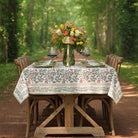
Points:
(47, 21)
(30, 14)
(29, 31)
(42, 40)
(112, 38)
(98, 37)
(4, 58)
(107, 29)
(11, 27)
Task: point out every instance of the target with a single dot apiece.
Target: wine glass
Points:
(52, 52)
(86, 52)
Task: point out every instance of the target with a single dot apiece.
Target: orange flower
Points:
(81, 81)
(62, 28)
(63, 81)
(54, 36)
(54, 41)
(72, 24)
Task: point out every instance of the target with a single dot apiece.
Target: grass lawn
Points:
(8, 72)
(129, 72)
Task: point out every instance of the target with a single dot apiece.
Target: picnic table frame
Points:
(69, 105)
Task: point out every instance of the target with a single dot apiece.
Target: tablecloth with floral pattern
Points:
(68, 80)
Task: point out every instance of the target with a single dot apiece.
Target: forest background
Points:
(111, 27)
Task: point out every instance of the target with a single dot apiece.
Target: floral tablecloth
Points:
(76, 79)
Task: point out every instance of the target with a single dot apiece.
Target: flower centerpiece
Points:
(59, 35)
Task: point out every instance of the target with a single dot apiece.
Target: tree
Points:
(127, 30)
(29, 30)
(11, 27)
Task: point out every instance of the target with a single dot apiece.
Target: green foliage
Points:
(8, 72)
(11, 27)
(3, 31)
(128, 28)
(95, 55)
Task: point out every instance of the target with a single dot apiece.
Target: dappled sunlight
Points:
(135, 132)
(130, 95)
(128, 87)
(129, 91)
(128, 66)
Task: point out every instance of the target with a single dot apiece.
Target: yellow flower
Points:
(56, 26)
(72, 29)
(63, 40)
(77, 43)
(61, 26)
(81, 42)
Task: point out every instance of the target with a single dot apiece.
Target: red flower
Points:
(65, 33)
(73, 38)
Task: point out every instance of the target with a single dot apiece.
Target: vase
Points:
(68, 56)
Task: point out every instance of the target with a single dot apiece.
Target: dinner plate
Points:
(89, 63)
(45, 64)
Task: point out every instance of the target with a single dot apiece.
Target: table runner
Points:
(76, 79)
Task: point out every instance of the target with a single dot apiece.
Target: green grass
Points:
(129, 72)
(129, 69)
(8, 72)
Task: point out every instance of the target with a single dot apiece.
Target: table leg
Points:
(69, 110)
